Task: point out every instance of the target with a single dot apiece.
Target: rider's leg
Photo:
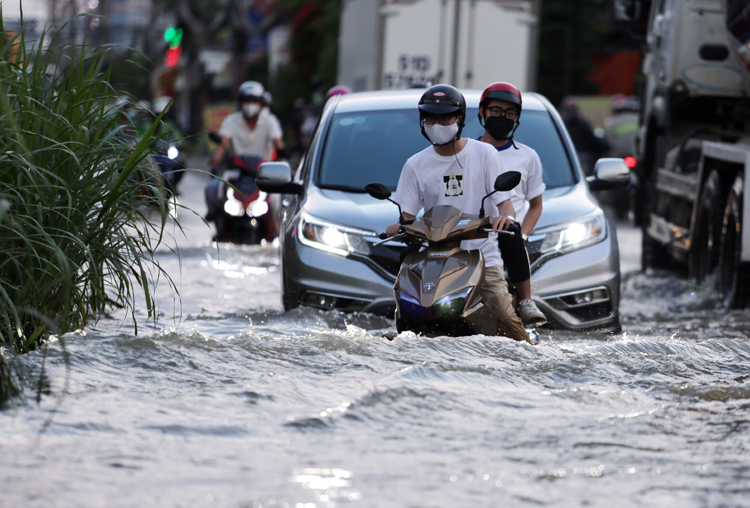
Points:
(516, 258)
(495, 296)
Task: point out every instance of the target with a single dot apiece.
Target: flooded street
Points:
(230, 402)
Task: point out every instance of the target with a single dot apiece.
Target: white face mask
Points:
(441, 134)
(251, 109)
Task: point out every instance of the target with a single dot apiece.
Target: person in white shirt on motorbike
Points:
(247, 133)
(499, 112)
(460, 172)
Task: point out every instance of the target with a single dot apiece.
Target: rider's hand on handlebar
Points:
(392, 230)
(501, 222)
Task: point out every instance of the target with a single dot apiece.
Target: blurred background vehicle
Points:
(692, 145)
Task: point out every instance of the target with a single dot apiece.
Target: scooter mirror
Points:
(378, 190)
(507, 181)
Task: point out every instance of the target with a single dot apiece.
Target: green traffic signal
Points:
(173, 36)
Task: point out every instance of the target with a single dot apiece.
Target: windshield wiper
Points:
(347, 188)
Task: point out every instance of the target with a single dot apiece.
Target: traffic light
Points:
(173, 36)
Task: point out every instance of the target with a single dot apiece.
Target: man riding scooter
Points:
(246, 133)
(460, 172)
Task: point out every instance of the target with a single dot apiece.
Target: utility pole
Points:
(536, 20)
(456, 31)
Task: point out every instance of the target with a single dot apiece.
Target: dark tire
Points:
(653, 254)
(287, 299)
(704, 244)
(733, 273)
(644, 192)
(638, 204)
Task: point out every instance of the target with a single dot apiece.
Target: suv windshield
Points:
(372, 146)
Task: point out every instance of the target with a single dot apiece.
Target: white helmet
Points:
(250, 90)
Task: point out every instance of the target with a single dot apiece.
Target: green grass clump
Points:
(74, 240)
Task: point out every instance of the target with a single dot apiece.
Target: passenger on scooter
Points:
(247, 133)
(459, 172)
(500, 112)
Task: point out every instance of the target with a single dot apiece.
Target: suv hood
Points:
(352, 209)
(565, 204)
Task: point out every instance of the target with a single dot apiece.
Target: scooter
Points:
(171, 162)
(437, 288)
(245, 215)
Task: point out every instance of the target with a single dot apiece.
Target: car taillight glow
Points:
(630, 162)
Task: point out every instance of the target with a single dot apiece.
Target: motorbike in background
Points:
(242, 213)
(171, 162)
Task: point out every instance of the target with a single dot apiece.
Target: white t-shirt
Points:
(526, 161)
(257, 142)
(428, 179)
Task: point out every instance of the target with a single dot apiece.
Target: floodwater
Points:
(229, 402)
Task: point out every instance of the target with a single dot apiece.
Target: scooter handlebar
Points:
(385, 238)
(488, 229)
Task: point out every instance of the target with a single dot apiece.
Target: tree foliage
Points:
(570, 34)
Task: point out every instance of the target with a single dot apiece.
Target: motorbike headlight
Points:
(453, 303)
(258, 208)
(172, 152)
(333, 238)
(232, 206)
(570, 235)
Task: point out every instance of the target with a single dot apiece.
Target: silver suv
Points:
(329, 226)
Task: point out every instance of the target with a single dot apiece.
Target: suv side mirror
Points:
(609, 173)
(276, 178)
(633, 14)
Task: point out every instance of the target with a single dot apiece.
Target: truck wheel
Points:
(653, 254)
(704, 245)
(733, 273)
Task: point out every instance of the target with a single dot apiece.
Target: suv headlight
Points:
(333, 238)
(570, 236)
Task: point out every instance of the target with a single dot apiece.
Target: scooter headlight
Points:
(172, 152)
(333, 238)
(570, 236)
(410, 306)
(258, 208)
(232, 206)
(453, 303)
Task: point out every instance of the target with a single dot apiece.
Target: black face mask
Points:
(499, 127)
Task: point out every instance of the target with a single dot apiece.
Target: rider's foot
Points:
(530, 313)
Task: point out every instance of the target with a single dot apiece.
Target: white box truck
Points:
(694, 141)
(396, 44)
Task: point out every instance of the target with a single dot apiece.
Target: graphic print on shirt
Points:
(453, 186)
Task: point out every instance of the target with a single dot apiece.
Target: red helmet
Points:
(504, 92)
(338, 90)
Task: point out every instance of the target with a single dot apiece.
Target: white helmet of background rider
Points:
(250, 96)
